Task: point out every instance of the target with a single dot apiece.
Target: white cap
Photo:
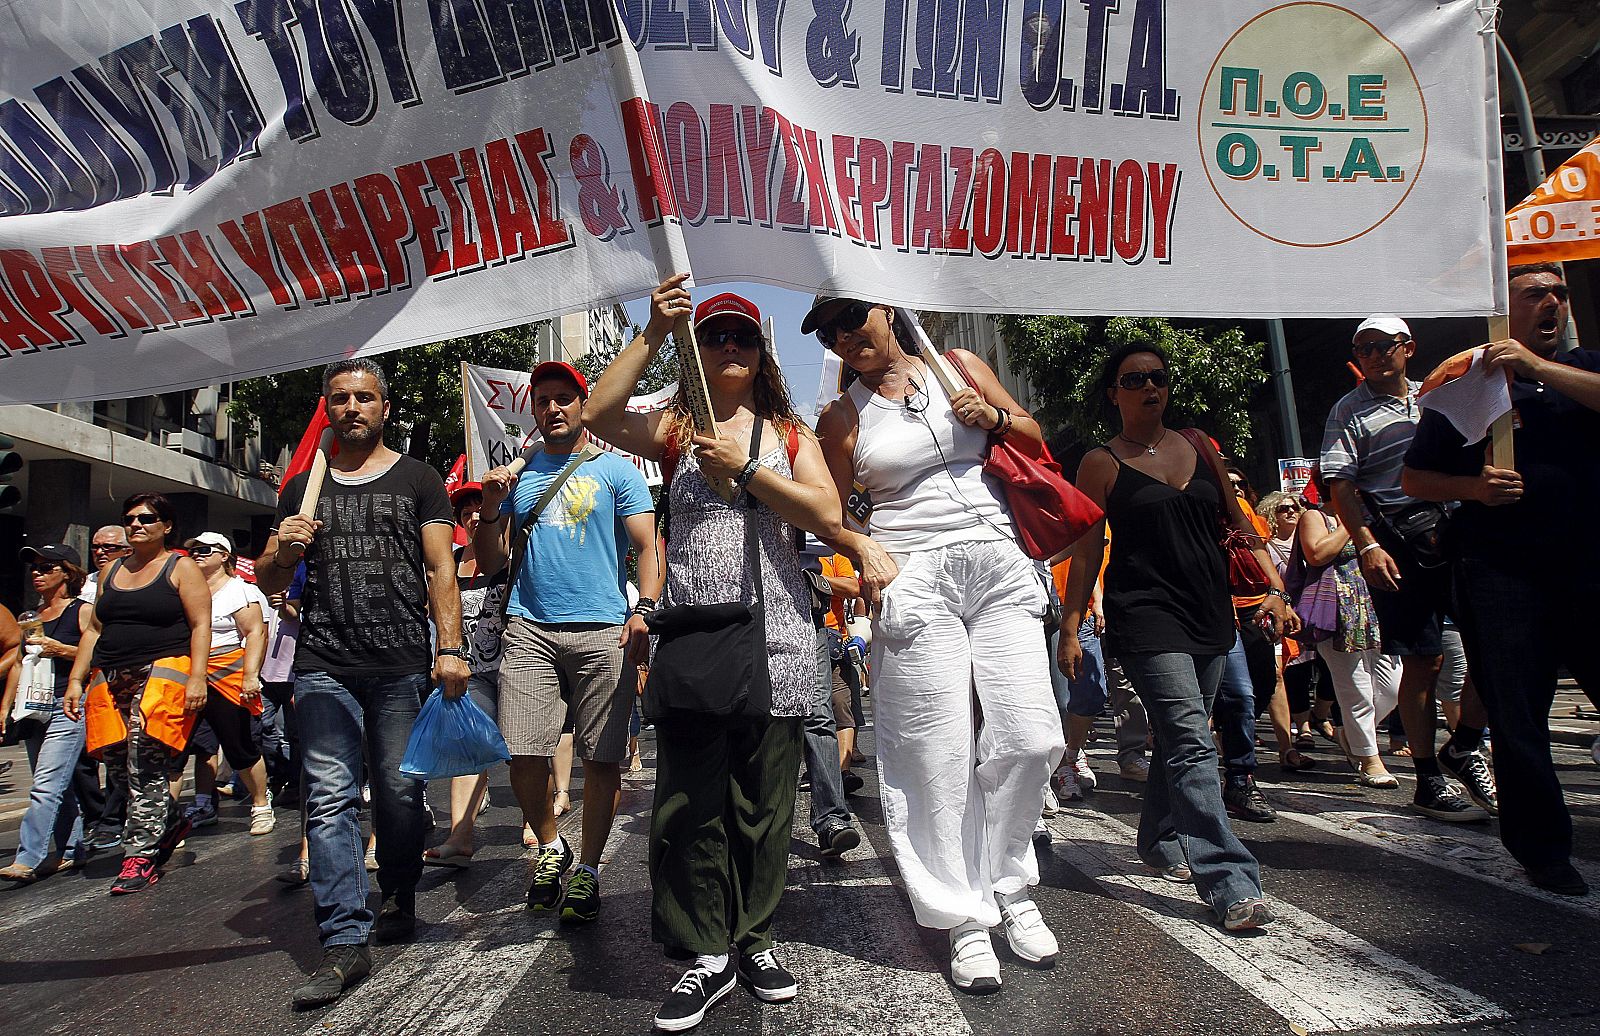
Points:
(210, 539)
(1388, 323)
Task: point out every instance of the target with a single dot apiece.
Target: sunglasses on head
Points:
(1380, 348)
(140, 519)
(746, 339)
(1135, 380)
(851, 318)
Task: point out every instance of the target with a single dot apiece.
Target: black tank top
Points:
(1166, 586)
(65, 628)
(139, 626)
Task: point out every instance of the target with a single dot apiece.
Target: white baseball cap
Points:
(210, 539)
(1388, 323)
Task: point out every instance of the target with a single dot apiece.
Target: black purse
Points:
(711, 659)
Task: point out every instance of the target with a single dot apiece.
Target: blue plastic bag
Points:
(452, 737)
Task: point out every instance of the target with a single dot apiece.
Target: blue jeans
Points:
(822, 748)
(1089, 693)
(1183, 819)
(53, 749)
(339, 717)
(1235, 715)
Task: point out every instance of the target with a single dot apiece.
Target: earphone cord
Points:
(922, 416)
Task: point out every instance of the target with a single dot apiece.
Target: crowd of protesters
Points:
(1388, 589)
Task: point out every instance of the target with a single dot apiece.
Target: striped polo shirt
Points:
(1366, 438)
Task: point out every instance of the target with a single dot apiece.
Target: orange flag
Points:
(1560, 221)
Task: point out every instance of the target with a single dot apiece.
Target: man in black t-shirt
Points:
(1521, 563)
(378, 567)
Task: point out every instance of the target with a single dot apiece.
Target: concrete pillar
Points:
(58, 504)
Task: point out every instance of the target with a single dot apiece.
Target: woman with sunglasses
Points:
(148, 639)
(54, 739)
(233, 677)
(725, 788)
(1170, 620)
(1291, 701)
(956, 603)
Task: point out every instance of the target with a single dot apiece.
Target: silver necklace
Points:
(1149, 448)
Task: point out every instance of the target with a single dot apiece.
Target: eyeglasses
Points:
(1287, 508)
(200, 553)
(852, 317)
(140, 519)
(1364, 349)
(104, 548)
(44, 569)
(1135, 380)
(718, 339)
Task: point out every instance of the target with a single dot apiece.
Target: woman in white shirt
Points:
(233, 679)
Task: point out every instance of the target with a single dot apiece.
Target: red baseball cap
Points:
(727, 305)
(556, 368)
(462, 490)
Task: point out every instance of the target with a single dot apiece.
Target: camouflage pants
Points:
(140, 764)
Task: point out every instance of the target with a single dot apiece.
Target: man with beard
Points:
(571, 641)
(378, 567)
(1522, 568)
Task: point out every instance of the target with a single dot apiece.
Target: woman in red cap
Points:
(725, 787)
(956, 605)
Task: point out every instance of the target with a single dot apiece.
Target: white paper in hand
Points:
(1469, 395)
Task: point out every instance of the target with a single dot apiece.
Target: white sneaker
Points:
(1041, 834)
(1135, 769)
(1066, 782)
(1080, 769)
(1052, 805)
(262, 820)
(1030, 938)
(973, 966)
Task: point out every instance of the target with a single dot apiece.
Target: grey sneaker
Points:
(1247, 914)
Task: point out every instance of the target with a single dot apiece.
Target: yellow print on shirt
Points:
(578, 500)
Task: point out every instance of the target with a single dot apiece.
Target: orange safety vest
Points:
(225, 674)
(160, 703)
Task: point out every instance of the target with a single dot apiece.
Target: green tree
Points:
(1215, 367)
(424, 389)
(663, 370)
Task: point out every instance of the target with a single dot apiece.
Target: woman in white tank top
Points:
(957, 606)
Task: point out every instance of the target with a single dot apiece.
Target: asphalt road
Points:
(1390, 923)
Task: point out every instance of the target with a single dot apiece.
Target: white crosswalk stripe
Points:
(1311, 972)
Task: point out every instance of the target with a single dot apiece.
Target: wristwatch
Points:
(743, 478)
(460, 653)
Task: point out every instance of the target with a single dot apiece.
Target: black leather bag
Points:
(711, 659)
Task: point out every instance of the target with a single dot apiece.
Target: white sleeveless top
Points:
(921, 500)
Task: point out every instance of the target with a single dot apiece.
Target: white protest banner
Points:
(201, 190)
(498, 409)
(1294, 473)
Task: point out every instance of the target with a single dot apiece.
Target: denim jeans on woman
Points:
(1183, 820)
(340, 719)
(54, 745)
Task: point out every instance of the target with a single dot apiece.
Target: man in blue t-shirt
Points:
(571, 640)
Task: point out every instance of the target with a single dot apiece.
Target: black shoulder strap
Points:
(752, 545)
(519, 539)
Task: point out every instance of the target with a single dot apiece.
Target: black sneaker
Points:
(852, 782)
(1473, 771)
(341, 967)
(176, 833)
(692, 997)
(1245, 802)
(1561, 878)
(138, 874)
(767, 979)
(548, 867)
(837, 840)
(103, 841)
(397, 921)
(1436, 799)
(581, 904)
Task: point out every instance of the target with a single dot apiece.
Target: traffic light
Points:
(10, 463)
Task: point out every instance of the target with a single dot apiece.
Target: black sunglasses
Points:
(100, 548)
(744, 339)
(851, 318)
(44, 568)
(1287, 508)
(140, 519)
(1383, 348)
(1135, 380)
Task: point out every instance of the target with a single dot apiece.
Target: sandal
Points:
(296, 874)
(529, 839)
(561, 803)
(1327, 729)
(1380, 779)
(19, 873)
(1304, 740)
(372, 859)
(446, 855)
(1294, 760)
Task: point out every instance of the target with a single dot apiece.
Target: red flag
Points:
(307, 450)
(458, 474)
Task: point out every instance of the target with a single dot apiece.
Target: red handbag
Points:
(1245, 576)
(1049, 512)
